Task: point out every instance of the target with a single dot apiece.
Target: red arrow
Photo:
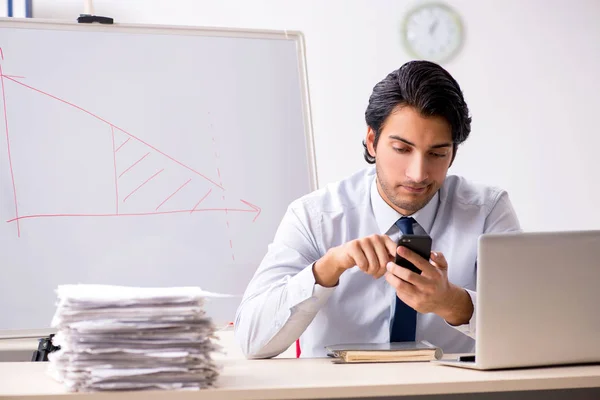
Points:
(256, 208)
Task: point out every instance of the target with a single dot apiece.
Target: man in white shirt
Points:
(329, 276)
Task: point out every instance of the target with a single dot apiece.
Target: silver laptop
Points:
(538, 300)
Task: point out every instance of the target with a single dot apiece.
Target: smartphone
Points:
(420, 244)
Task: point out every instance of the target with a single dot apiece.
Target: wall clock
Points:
(432, 31)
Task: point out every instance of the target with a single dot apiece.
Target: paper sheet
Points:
(115, 338)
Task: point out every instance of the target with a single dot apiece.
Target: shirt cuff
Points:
(469, 328)
(305, 294)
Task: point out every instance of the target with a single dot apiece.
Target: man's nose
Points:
(417, 169)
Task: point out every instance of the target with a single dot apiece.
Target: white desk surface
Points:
(289, 378)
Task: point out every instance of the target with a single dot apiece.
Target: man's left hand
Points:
(431, 291)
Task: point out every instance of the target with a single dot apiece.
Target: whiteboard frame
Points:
(296, 36)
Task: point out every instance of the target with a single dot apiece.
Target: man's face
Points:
(412, 158)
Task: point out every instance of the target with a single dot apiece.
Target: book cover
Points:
(384, 352)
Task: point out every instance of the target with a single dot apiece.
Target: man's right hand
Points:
(370, 254)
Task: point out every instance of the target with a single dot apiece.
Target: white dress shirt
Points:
(283, 303)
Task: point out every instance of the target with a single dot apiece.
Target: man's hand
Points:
(371, 254)
(431, 291)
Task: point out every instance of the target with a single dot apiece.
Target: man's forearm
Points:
(459, 309)
(272, 318)
(326, 273)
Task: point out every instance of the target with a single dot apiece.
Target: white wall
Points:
(529, 70)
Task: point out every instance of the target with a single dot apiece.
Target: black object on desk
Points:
(88, 19)
(45, 347)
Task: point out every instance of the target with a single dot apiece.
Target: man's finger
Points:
(369, 252)
(382, 255)
(405, 274)
(390, 245)
(439, 260)
(416, 259)
(404, 290)
(359, 257)
(394, 281)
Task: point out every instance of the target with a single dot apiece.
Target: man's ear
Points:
(370, 141)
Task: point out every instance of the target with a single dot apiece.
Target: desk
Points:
(288, 378)
(319, 378)
(17, 349)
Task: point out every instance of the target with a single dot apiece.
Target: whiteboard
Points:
(145, 156)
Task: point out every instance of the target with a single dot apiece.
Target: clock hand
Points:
(432, 27)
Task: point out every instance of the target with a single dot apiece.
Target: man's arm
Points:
(294, 281)
(283, 297)
(502, 218)
(432, 292)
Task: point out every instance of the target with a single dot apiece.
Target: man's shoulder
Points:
(457, 189)
(339, 196)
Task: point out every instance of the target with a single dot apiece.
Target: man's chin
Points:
(412, 202)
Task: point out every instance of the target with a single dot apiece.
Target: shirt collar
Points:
(386, 216)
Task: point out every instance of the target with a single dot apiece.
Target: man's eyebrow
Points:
(435, 146)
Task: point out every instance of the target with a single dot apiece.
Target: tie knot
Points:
(405, 224)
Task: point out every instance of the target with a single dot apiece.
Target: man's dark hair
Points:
(428, 88)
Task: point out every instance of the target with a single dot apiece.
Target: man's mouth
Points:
(415, 189)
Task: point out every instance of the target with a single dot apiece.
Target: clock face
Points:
(432, 32)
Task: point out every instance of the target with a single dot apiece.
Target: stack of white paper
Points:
(115, 337)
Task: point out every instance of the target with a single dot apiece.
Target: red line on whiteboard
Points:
(172, 159)
(225, 209)
(10, 166)
(223, 196)
(124, 215)
(122, 130)
(1, 54)
(14, 76)
(224, 201)
(115, 165)
(173, 194)
(61, 100)
(201, 200)
(146, 181)
(123, 144)
(255, 207)
(133, 165)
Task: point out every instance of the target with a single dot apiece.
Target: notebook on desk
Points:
(384, 352)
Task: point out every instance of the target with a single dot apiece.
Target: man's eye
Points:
(401, 150)
(439, 155)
